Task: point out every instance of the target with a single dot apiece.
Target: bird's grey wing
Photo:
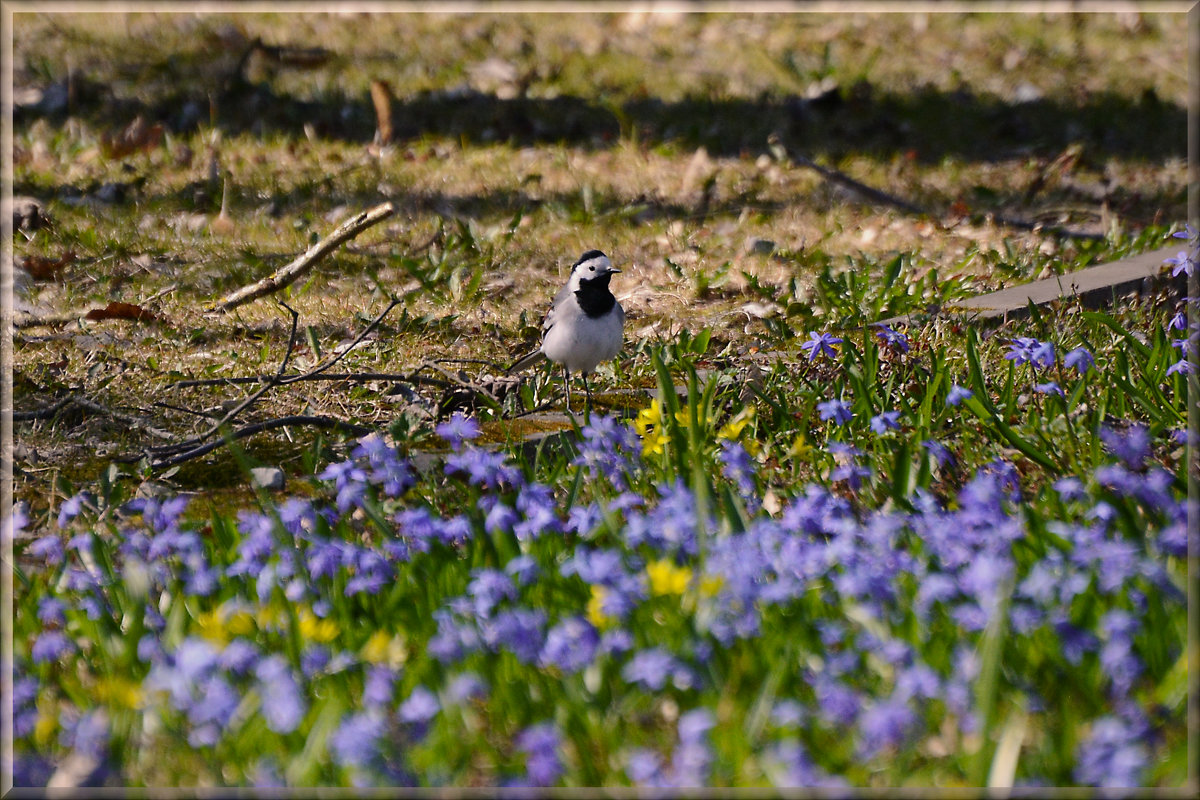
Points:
(563, 295)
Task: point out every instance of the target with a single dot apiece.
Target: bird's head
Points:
(592, 267)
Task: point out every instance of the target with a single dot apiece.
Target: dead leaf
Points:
(118, 310)
(138, 135)
(47, 269)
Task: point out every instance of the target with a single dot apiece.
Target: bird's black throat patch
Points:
(594, 297)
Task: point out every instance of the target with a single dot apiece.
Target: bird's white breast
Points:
(582, 342)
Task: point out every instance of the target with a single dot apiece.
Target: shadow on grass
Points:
(928, 125)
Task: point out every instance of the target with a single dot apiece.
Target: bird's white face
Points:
(591, 268)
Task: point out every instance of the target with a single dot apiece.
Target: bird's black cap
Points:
(588, 256)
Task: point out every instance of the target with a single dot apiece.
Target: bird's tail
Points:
(527, 361)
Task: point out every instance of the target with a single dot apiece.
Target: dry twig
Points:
(287, 274)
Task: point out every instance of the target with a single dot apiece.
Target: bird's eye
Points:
(593, 269)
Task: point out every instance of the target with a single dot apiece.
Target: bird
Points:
(585, 324)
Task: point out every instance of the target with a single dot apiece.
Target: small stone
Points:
(761, 247)
(270, 478)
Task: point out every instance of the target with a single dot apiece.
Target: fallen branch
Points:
(248, 430)
(302, 264)
(883, 198)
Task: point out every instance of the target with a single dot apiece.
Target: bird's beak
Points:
(611, 270)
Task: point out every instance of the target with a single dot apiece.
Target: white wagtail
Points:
(585, 323)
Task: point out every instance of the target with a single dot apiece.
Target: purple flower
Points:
(1079, 360)
(420, 707)
(738, 467)
(853, 474)
(463, 687)
(1131, 446)
(820, 344)
(1070, 489)
(644, 768)
(517, 629)
(1111, 755)
(1182, 366)
(1178, 322)
(238, 657)
(690, 762)
(488, 588)
(71, 508)
(1182, 263)
(892, 337)
(50, 610)
(610, 448)
(356, 741)
(458, 429)
(885, 421)
(570, 645)
(652, 668)
(282, 705)
(883, 725)
(1049, 387)
(483, 468)
(377, 687)
(941, 454)
(49, 646)
(541, 744)
(49, 548)
(523, 568)
(836, 410)
(957, 394)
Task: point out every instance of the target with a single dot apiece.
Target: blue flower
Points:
(1182, 263)
(820, 344)
(420, 707)
(738, 467)
(458, 429)
(1182, 366)
(885, 421)
(488, 588)
(884, 724)
(48, 548)
(49, 646)
(356, 741)
(377, 687)
(1049, 387)
(957, 394)
(836, 410)
(1111, 755)
(71, 508)
(1079, 360)
(652, 668)
(939, 451)
(282, 705)
(1131, 446)
(892, 337)
(541, 744)
(570, 645)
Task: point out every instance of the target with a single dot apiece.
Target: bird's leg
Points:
(567, 387)
(587, 399)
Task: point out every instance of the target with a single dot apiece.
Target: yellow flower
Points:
(120, 692)
(666, 578)
(710, 585)
(733, 429)
(595, 608)
(383, 648)
(649, 426)
(44, 728)
(800, 448)
(212, 626)
(684, 418)
(316, 629)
